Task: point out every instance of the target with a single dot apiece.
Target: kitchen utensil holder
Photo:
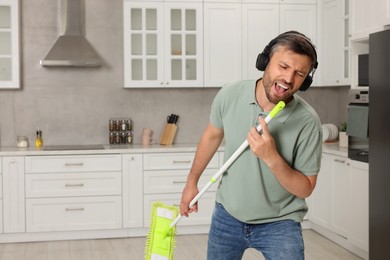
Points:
(168, 134)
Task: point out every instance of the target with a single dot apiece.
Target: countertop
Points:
(334, 148)
(331, 148)
(108, 149)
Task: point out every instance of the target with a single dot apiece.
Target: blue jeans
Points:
(229, 238)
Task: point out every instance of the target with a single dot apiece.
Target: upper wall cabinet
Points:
(368, 17)
(334, 65)
(230, 54)
(163, 44)
(9, 44)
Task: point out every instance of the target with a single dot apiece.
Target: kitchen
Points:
(74, 105)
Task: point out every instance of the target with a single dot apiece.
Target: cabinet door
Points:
(301, 18)
(333, 69)
(358, 221)
(367, 17)
(319, 212)
(143, 44)
(132, 190)
(340, 196)
(9, 44)
(183, 45)
(222, 43)
(256, 35)
(13, 195)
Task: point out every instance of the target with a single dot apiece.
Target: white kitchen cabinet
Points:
(368, 17)
(334, 53)
(339, 204)
(132, 191)
(163, 44)
(230, 54)
(9, 44)
(260, 24)
(358, 208)
(340, 197)
(165, 175)
(222, 43)
(13, 195)
(1, 196)
(320, 199)
(73, 192)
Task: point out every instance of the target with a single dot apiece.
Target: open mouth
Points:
(280, 88)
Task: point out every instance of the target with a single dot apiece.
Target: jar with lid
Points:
(117, 125)
(117, 138)
(129, 137)
(123, 138)
(112, 138)
(111, 125)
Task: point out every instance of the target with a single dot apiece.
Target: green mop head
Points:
(160, 242)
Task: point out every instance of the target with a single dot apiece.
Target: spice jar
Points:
(117, 138)
(111, 125)
(117, 125)
(129, 137)
(112, 138)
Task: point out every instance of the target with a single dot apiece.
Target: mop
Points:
(160, 242)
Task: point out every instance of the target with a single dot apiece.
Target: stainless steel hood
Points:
(71, 47)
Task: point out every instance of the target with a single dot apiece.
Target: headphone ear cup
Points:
(306, 83)
(262, 61)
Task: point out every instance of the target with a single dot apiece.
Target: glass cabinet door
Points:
(143, 45)
(9, 44)
(183, 45)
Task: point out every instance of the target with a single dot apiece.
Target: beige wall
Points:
(73, 105)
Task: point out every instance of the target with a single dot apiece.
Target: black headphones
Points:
(263, 58)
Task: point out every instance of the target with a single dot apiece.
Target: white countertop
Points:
(334, 148)
(108, 149)
(331, 148)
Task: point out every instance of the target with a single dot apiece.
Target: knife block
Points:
(168, 134)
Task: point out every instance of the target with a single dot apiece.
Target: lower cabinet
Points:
(13, 195)
(165, 175)
(71, 193)
(95, 195)
(339, 203)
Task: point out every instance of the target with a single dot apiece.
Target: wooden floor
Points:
(188, 247)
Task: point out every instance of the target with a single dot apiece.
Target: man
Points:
(260, 200)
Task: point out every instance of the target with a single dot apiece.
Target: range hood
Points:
(72, 49)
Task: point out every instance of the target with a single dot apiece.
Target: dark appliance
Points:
(363, 68)
(357, 125)
(379, 166)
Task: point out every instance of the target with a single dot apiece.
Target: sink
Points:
(73, 147)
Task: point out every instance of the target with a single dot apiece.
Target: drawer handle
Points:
(73, 164)
(74, 209)
(340, 161)
(182, 162)
(68, 185)
(179, 182)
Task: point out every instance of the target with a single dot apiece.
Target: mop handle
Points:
(230, 161)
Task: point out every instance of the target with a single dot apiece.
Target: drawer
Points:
(73, 184)
(67, 214)
(202, 217)
(79, 163)
(161, 161)
(173, 181)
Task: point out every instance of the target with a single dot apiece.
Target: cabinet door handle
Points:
(178, 182)
(68, 185)
(74, 209)
(73, 164)
(339, 161)
(181, 162)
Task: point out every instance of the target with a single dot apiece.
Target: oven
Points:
(357, 125)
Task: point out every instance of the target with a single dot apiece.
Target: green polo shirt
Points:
(248, 189)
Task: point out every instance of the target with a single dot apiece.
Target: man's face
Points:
(285, 74)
